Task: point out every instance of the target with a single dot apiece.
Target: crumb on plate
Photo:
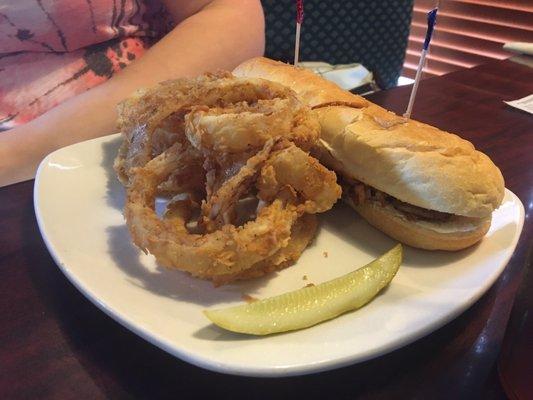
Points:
(247, 298)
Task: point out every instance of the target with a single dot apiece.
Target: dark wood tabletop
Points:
(54, 343)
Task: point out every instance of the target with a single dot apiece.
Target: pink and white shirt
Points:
(51, 50)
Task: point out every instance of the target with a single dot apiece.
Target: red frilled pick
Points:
(299, 11)
(299, 20)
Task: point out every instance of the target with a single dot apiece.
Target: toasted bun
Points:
(312, 89)
(411, 161)
(450, 236)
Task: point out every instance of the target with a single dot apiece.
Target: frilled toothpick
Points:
(299, 21)
(432, 19)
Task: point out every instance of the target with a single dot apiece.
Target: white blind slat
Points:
(468, 32)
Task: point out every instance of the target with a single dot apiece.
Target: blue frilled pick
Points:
(432, 19)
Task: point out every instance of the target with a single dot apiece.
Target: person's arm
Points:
(210, 35)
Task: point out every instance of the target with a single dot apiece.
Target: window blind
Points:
(468, 33)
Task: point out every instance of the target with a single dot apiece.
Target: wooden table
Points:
(55, 344)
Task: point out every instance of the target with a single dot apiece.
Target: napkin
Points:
(519, 47)
(524, 104)
(347, 76)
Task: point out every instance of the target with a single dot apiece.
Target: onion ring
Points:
(222, 139)
(152, 120)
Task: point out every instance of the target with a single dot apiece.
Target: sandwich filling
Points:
(358, 194)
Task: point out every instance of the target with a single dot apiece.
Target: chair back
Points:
(371, 32)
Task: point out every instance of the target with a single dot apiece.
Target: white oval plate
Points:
(78, 202)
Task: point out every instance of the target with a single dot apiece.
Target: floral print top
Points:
(51, 50)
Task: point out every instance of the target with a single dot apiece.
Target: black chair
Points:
(371, 32)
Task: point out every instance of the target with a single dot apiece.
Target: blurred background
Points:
(468, 33)
(386, 36)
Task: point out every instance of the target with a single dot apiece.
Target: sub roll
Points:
(418, 184)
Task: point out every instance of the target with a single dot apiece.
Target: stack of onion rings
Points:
(209, 143)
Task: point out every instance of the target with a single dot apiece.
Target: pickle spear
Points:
(309, 306)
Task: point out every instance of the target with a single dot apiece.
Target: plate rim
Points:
(239, 370)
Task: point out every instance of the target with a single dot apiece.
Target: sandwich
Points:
(420, 185)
